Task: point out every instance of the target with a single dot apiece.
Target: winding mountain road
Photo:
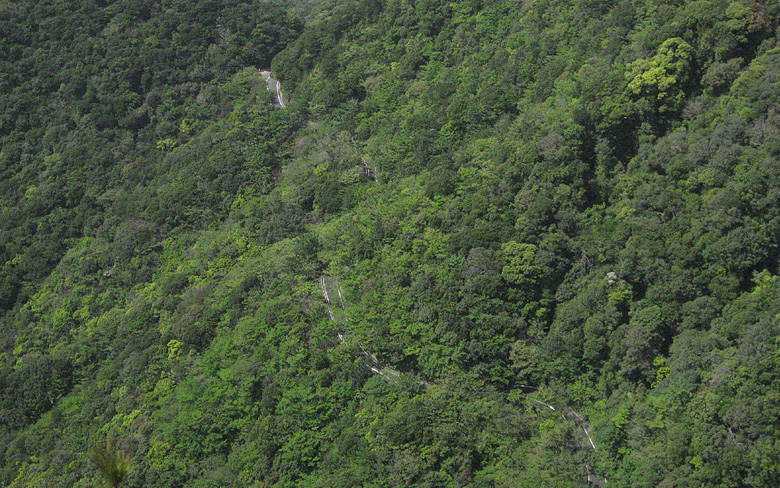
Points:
(331, 288)
(273, 85)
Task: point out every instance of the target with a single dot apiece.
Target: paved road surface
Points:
(273, 85)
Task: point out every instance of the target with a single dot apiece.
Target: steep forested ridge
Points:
(558, 222)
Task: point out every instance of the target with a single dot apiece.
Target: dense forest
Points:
(548, 230)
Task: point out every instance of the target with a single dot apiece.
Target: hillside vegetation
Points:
(558, 222)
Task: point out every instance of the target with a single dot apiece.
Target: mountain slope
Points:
(558, 221)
